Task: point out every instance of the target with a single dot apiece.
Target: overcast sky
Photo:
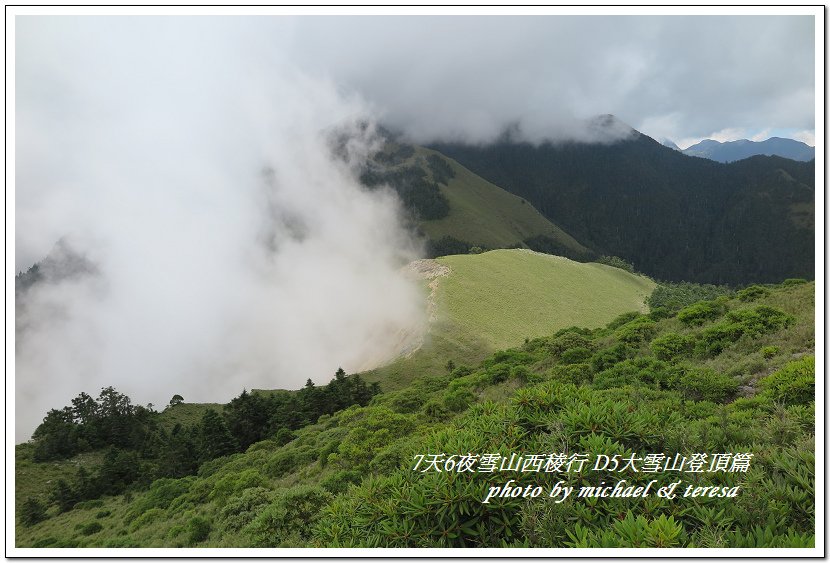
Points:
(681, 77)
(141, 141)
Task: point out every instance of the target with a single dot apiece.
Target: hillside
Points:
(731, 151)
(674, 217)
(457, 210)
(484, 215)
(481, 303)
(730, 375)
(505, 296)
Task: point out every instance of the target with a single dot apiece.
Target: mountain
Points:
(731, 151)
(457, 210)
(675, 217)
(668, 143)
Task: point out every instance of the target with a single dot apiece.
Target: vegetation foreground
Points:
(341, 465)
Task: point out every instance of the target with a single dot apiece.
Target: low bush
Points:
(672, 346)
(794, 384)
(701, 312)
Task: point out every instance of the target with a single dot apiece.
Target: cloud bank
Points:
(467, 78)
(192, 167)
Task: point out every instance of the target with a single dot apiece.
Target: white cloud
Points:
(148, 157)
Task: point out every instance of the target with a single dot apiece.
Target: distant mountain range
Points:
(743, 148)
(674, 217)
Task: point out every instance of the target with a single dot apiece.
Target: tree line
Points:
(139, 449)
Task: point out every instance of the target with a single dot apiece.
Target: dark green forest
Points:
(674, 217)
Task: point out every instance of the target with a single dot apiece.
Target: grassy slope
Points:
(186, 414)
(168, 526)
(485, 214)
(495, 300)
(505, 296)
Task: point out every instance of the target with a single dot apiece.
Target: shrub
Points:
(161, 494)
(793, 281)
(198, 530)
(576, 355)
(148, 517)
(103, 514)
(461, 371)
(701, 312)
(458, 399)
(435, 411)
(769, 352)
(91, 528)
(241, 510)
(760, 320)
(572, 373)
(32, 512)
(745, 322)
(407, 401)
(752, 293)
(498, 373)
(283, 436)
(289, 518)
(672, 346)
(794, 384)
(338, 482)
(702, 384)
(660, 313)
(234, 483)
(641, 329)
(616, 262)
(606, 358)
(646, 370)
(625, 318)
(561, 343)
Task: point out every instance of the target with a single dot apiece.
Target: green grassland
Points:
(484, 214)
(497, 299)
(185, 414)
(505, 296)
(730, 375)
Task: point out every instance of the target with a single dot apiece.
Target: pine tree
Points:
(215, 440)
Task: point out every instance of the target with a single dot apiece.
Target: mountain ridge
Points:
(740, 149)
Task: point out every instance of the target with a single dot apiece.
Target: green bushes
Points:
(641, 329)
(751, 323)
(198, 530)
(32, 512)
(675, 296)
(701, 384)
(242, 509)
(794, 384)
(752, 293)
(234, 483)
(699, 313)
(91, 528)
(672, 346)
(161, 494)
(146, 518)
(657, 389)
(628, 372)
(289, 518)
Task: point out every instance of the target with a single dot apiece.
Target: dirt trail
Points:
(431, 270)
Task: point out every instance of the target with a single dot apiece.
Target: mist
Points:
(190, 167)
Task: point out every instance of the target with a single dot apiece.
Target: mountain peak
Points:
(607, 128)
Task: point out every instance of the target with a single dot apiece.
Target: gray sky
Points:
(682, 77)
(142, 141)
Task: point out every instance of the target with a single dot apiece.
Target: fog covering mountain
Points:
(731, 151)
(674, 217)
